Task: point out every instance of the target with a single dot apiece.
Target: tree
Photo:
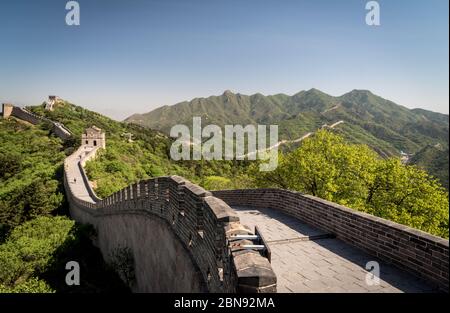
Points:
(217, 183)
(30, 184)
(327, 167)
(31, 247)
(31, 285)
(408, 195)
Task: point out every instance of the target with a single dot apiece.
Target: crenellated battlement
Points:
(415, 251)
(179, 237)
(190, 236)
(178, 234)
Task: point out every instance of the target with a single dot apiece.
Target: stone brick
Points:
(415, 251)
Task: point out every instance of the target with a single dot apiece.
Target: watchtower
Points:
(93, 137)
(50, 103)
(7, 110)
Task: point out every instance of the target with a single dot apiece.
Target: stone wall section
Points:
(58, 129)
(410, 249)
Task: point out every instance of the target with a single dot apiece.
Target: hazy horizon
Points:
(91, 106)
(132, 57)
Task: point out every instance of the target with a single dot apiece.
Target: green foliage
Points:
(147, 155)
(409, 196)
(34, 256)
(383, 125)
(336, 168)
(241, 181)
(433, 159)
(217, 183)
(31, 285)
(77, 119)
(353, 175)
(326, 165)
(123, 163)
(122, 260)
(96, 275)
(31, 247)
(30, 185)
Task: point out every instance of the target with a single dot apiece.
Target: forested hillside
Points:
(327, 165)
(135, 152)
(433, 159)
(30, 173)
(38, 237)
(368, 118)
(385, 126)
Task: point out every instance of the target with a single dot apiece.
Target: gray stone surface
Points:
(173, 234)
(321, 265)
(75, 178)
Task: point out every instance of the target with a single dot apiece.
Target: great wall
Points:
(170, 235)
(22, 114)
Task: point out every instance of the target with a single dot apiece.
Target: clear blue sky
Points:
(135, 55)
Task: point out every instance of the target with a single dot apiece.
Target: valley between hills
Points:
(418, 136)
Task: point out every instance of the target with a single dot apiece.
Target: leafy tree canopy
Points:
(326, 166)
(30, 250)
(30, 183)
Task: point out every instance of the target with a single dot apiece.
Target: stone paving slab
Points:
(75, 178)
(322, 265)
(276, 225)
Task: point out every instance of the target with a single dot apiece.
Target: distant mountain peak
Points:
(228, 93)
(369, 119)
(361, 96)
(360, 92)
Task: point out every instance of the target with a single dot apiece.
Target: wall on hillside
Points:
(58, 129)
(89, 155)
(420, 253)
(26, 116)
(164, 234)
(61, 131)
(178, 235)
(7, 110)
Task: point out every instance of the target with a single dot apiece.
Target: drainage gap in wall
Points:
(220, 272)
(208, 275)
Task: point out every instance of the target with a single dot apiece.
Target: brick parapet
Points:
(418, 252)
(58, 129)
(200, 221)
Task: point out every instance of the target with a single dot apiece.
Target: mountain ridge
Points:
(228, 91)
(303, 93)
(306, 111)
(383, 125)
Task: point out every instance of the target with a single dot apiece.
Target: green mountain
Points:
(33, 208)
(370, 119)
(37, 238)
(133, 152)
(433, 159)
(31, 160)
(385, 126)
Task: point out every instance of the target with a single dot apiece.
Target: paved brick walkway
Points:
(306, 261)
(75, 179)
